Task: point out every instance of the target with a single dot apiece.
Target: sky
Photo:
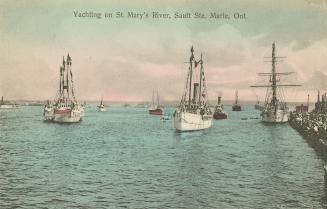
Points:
(126, 59)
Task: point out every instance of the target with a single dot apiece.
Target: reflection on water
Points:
(127, 158)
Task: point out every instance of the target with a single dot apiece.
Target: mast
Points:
(273, 76)
(201, 70)
(236, 96)
(157, 99)
(63, 78)
(308, 101)
(153, 98)
(190, 70)
(67, 76)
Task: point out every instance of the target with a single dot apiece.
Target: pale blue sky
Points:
(126, 59)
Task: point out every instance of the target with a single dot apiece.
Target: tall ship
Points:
(6, 105)
(219, 112)
(193, 112)
(102, 107)
(258, 105)
(155, 108)
(65, 108)
(236, 106)
(275, 109)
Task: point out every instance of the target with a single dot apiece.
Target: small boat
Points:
(155, 109)
(102, 107)
(65, 108)
(275, 109)
(6, 105)
(219, 111)
(236, 106)
(194, 113)
(165, 118)
(259, 106)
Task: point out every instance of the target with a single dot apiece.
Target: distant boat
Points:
(275, 110)
(155, 109)
(236, 106)
(259, 106)
(165, 118)
(101, 106)
(194, 113)
(65, 108)
(6, 105)
(219, 111)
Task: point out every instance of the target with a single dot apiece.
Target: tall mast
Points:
(63, 78)
(153, 98)
(201, 71)
(273, 79)
(157, 99)
(308, 101)
(236, 96)
(190, 70)
(67, 76)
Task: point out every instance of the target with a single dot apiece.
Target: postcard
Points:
(163, 104)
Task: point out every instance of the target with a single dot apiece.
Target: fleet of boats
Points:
(193, 112)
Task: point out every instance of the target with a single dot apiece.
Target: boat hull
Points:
(156, 112)
(270, 117)
(185, 121)
(59, 115)
(102, 109)
(237, 108)
(7, 106)
(219, 115)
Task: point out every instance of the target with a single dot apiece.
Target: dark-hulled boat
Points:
(236, 106)
(155, 109)
(219, 111)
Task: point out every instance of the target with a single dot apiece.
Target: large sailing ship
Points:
(65, 108)
(194, 113)
(155, 109)
(275, 109)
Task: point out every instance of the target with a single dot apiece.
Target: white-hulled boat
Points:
(65, 108)
(102, 107)
(275, 109)
(194, 113)
(6, 105)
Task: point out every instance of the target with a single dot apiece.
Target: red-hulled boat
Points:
(219, 111)
(155, 109)
(236, 106)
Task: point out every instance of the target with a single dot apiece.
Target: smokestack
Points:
(219, 100)
(195, 92)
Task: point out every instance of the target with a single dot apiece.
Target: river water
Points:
(125, 158)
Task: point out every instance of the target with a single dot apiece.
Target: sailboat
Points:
(258, 106)
(219, 111)
(65, 108)
(275, 109)
(193, 113)
(6, 105)
(101, 106)
(155, 109)
(236, 106)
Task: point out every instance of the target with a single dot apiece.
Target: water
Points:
(125, 158)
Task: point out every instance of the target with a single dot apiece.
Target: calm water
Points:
(125, 158)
